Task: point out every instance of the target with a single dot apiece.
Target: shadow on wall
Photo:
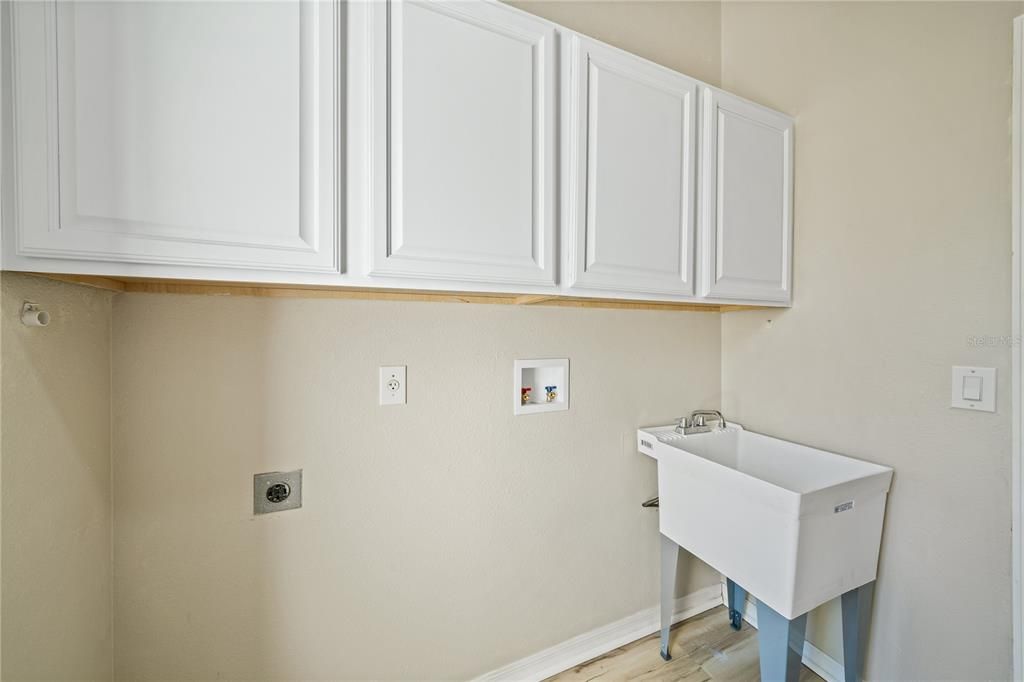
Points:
(56, 487)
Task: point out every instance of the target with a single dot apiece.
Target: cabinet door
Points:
(629, 208)
(192, 133)
(746, 200)
(465, 97)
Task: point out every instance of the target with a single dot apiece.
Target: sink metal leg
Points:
(781, 644)
(669, 561)
(737, 597)
(856, 618)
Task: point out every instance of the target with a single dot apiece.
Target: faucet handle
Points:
(682, 423)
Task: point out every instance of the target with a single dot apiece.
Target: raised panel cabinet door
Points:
(465, 142)
(630, 187)
(746, 200)
(191, 133)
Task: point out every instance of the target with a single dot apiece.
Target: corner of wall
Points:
(55, 447)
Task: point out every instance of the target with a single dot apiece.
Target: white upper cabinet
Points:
(421, 144)
(178, 133)
(629, 163)
(462, 178)
(746, 213)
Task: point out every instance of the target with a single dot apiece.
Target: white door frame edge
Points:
(1017, 403)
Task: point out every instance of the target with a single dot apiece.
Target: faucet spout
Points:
(698, 422)
(698, 417)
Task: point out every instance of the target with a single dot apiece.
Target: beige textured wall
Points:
(56, 502)
(439, 539)
(902, 243)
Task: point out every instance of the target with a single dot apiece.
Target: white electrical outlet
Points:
(392, 385)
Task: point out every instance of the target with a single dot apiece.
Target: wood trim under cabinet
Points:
(213, 288)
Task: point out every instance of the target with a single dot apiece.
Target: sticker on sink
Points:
(845, 506)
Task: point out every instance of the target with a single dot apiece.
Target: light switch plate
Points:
(965, 386)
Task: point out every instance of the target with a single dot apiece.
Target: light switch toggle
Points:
(974, 388)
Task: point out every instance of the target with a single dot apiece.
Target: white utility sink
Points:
(794, 525)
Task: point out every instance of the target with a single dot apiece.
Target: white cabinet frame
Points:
(45, 220)
(584, 62)
(718, 278)
(379, 182)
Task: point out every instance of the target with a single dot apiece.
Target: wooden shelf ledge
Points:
(214, 288)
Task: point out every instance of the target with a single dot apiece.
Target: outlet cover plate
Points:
(392, 385)
(262, 483)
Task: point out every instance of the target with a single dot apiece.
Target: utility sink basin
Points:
(794, 525)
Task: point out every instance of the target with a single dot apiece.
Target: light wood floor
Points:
(704, 649)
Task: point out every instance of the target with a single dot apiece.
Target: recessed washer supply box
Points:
(794, 525)
(538, 374)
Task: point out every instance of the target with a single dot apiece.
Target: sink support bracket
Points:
(669, 562)
(737, 598)
(856, 606)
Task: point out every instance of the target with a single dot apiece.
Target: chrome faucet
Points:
(697, 422)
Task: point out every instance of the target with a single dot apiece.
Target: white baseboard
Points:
(592, 644)
(828, 668)
(814, 658)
